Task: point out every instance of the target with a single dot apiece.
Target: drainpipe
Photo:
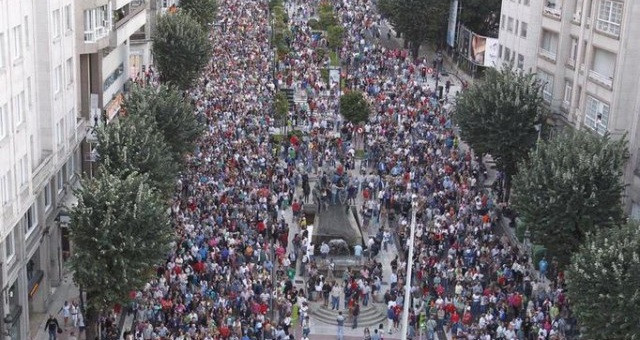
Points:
(578, 62)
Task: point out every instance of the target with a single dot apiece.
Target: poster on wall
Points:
(491, 53)
(453, 21)
(478, 47)
(464, 42)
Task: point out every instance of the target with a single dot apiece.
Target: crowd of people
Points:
(230, 274)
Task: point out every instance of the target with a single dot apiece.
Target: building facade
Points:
(40, 135)
(519, 33)
(587, 56)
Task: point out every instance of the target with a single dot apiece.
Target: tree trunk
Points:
(92, 318)
(507, 187)
(405, 43)
(415, 50)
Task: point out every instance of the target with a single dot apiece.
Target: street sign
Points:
(360, 130)
(430, 70)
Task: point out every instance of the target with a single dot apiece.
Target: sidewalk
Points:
(67, 291)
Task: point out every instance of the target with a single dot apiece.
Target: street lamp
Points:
(539, 130)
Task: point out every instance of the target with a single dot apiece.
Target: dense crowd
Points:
(230, 274)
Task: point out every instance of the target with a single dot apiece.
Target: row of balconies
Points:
(116, 27)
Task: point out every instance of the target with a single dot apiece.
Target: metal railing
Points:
(547, 54)
(553, 12)
(600, 78)
(42, 171)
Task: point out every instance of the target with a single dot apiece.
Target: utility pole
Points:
(407, 288)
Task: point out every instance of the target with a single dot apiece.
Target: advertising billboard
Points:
(453, 22)
(478, 49)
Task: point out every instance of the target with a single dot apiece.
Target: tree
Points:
(498, 116)
(354, 107)
(570, 186)
(281, 106)
(418, 20)
(327, 16)
(203, 11)
(181, 49)
(173, 115)
(120, 230)
(133, 144)
(334, 37)
(481, 16)
(603, 284)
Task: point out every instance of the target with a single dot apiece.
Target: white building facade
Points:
(587, 54)
(519, 33)
(40, 135)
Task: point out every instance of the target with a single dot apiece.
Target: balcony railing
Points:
(547, 54)
(134, 8)
(553, 11)
(571, 62)
(95, 34)
(600, 78)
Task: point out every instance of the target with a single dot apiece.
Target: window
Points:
(604, 63)
(547, 83)
(507, 53)
(5, 188)
(97, 22)
(500, 51)
(29, 101)
(57, 79)
(568, 88)
(4, 121)
(60, 181)
(69, 67)
(2, 51)
(520, 61)
(71, 121)
(71, 166)
(525, 2)
(9, 247)
(60, 132)
(27, 38)
(517, 26)
(610, 17)
(18, 108)
(510, 24)
(68, 24)
(573, 51)
(17, 42)
(31, 218)
(57, 24)
(46, 193)
(503, 22)
(523, 29)
(596, 115)
(24, 171)
(549, 44)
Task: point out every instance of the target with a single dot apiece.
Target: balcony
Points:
(571, 63)
(128, 20)
(553, 10)
(551, 56)
(43, 171)
(601, 79)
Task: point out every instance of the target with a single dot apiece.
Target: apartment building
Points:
(106, 62)
(40, 134)
(519, 33)
(588, 54)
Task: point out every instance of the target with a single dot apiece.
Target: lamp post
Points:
(539, 130)
(437, 70)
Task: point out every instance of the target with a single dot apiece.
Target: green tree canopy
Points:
(418, 20)
(281, 106)
(173, 115)
(481, 16)
(181, 49)
(498, 115)
(134, 144)
(204, 11)
(354, 107)
(120, 230)
(571, 186)
(604, 284)
(334, 37)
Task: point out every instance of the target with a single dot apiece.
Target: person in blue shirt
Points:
(543, 266)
